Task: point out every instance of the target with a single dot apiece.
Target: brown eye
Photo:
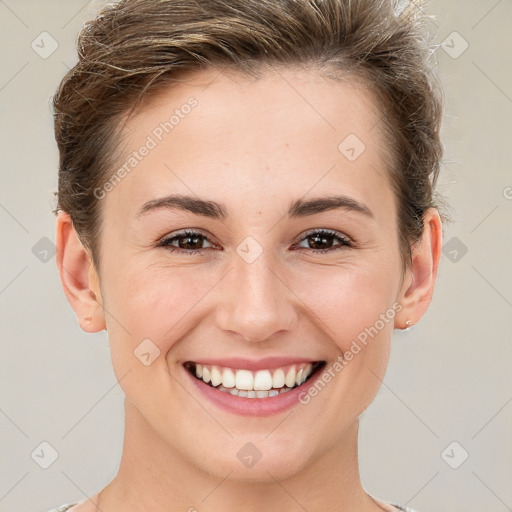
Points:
(321, 241)
(189, 242)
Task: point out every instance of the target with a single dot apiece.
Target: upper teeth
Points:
(247, 380)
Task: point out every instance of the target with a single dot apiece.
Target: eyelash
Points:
(345, 241)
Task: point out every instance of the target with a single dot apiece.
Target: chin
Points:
(256, 459)
(266, 470)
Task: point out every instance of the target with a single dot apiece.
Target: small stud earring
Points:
(408, 324)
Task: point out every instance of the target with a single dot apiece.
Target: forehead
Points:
(285, 133)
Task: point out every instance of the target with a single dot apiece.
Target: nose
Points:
(256, 303)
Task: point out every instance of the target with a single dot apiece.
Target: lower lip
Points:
(252, 406)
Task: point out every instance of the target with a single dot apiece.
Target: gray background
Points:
(449, 378)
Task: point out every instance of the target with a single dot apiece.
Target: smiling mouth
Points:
(254, 384)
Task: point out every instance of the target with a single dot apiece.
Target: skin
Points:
(255, 146)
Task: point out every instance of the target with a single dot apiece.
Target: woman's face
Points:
(253, 286)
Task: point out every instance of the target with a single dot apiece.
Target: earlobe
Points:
(78, 276)
(418, 288)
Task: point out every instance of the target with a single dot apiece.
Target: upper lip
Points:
(265, 363)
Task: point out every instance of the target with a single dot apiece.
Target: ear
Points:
(78, 276)
(419, 281)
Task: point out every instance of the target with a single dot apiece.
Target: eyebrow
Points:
(211, 209)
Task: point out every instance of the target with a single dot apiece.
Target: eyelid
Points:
(164, 242)
(185, 232)
(347, 242)
(332, 232)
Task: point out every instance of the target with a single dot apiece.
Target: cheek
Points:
(157, 303)
(350, 302)
(149, 310)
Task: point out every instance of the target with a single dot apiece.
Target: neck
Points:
(155, 476)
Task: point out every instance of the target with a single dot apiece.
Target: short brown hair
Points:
(134, 47)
